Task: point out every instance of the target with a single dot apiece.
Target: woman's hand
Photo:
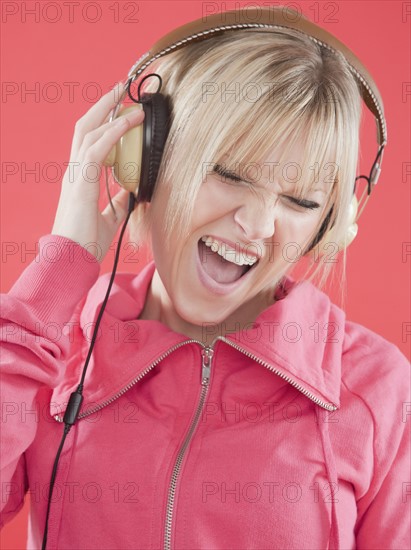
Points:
(78, 216)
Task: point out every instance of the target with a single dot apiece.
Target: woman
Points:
(226, 405)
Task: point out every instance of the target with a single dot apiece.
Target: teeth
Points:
(228, 254)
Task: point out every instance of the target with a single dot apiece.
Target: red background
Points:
(70, 55)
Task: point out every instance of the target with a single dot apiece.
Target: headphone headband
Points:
(266, 20)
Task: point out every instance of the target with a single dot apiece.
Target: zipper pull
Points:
(207, 354)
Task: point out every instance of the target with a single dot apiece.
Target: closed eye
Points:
(310, 205)
(228, 175)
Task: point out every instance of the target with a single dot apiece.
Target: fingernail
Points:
(118, 88)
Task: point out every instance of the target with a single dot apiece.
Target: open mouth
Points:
(223, 264)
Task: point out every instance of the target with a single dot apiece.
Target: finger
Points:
(105, 139)
(98, 112)
(134, 118)
(96, 115)
(120, 203)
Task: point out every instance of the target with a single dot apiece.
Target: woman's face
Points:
(205, 277)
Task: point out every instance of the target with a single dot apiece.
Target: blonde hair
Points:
(300, 92)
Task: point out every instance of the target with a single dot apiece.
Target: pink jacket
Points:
(290, 433)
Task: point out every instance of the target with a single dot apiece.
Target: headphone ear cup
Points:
(156, 125)
(136, 157)
(350, 233)
(125, 156)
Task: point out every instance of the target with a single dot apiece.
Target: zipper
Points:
(59, 418)
(317, 400)
(207, 354)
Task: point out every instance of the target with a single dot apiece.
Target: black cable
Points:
(131, 203)
(76, 398)
(141, 98)
(53, 477)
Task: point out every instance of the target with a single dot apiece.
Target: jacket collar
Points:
(299, 337)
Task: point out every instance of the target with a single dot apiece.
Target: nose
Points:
(256, 219)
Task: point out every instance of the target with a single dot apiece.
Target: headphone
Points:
(142, 147)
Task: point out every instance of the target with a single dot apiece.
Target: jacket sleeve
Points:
(383, 511)
(35, 339)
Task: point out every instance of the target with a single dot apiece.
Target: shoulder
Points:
(370, 359)
(373, 370)
(375, 386)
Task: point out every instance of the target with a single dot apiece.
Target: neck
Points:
(159, 307)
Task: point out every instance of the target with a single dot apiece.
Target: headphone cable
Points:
(76, 398)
